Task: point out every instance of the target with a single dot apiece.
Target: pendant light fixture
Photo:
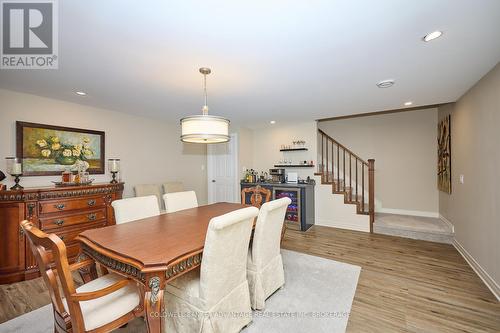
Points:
(205, 128)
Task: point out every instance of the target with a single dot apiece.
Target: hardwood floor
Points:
(405, 285)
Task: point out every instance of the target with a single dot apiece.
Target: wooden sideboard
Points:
(65, 211)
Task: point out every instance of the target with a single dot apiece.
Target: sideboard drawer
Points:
(58, 206)
(48, 223)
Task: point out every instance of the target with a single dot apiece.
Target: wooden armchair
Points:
(259, 195)
(101, 305)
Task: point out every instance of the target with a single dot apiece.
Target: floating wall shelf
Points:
(294, 166)
(294, 149)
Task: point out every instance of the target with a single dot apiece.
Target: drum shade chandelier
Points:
(204, 128)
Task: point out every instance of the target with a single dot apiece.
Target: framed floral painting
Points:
(49, 150)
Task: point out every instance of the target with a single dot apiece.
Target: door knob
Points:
(213, 180)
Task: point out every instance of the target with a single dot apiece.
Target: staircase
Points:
(348, 174)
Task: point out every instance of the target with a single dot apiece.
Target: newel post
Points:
(371, 192)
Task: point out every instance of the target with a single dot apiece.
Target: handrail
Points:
(343, 147)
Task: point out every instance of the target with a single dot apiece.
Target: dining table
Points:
(152, 251)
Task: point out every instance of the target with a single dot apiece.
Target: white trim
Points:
(343, 225)
(448, 222)
(408, 212)
(481, 272)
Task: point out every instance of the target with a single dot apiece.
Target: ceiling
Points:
(270, 60)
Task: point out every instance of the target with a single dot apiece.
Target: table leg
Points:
(153, 303)
(87, 273)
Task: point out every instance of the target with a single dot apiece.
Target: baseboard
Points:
(483, 275)
(408, 212)
(343, 225)
(448, 222)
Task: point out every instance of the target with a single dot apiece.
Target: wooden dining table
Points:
(152, 251)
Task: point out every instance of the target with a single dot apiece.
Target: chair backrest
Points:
(267, 234)
(259, 195)
(131, 209)
(144, 190)
(170, 187)
(180, 200)
(224, 264)
(50, 254)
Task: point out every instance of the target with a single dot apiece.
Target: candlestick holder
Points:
(15, 169)
(114, 168)
(113, 174)
(17, 179)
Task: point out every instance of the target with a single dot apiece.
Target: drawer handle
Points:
(60, 206)
(61, 237)
(59, 222)
(91, 202)
(92, 217)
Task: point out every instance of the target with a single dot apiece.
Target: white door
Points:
(222, 164)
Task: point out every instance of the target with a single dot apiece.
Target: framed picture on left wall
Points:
(49, 150)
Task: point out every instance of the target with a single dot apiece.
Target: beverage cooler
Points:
(300, 213)
(293, 212)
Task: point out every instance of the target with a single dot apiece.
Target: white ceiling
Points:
(280, 60)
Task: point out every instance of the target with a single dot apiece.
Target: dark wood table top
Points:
(156, 242)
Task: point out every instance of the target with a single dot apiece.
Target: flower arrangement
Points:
(62, 153)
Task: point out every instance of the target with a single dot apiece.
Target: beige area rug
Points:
(317, 297)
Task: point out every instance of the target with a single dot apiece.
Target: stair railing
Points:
(347, 172)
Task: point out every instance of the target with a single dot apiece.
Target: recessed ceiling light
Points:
(385, 83)
(81, 93)
(408, 103)
(272, 122)
(432, 35)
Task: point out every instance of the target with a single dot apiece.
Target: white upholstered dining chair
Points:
(144, 190)
(180, 200)
(217, 292)
(170, 187)
(265, 266)
(137, 208)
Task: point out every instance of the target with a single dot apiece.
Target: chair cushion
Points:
(187, 287)
(105, 309)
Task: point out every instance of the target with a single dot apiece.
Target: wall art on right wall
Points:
(444, 155)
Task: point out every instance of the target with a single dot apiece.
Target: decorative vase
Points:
(65, 160)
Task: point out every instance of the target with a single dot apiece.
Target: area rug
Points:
(317, 297)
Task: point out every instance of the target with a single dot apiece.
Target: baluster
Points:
(362, 187)
(343, 161)
(322, 165)
(338, 168)
(350, 177)
(333, 171)
(327, 176)
(356, 166)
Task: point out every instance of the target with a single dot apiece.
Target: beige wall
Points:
(268, 140)
(245, 150)
(403, 145)
(474, 206)
(150, 149)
